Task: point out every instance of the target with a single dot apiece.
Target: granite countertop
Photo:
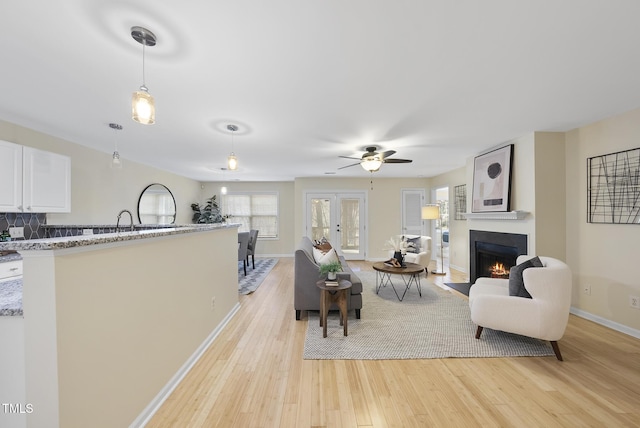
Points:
(106, 238)
(11, 297)
(9, 256)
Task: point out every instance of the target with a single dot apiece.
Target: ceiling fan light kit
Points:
(371, 164)
(143, 107)
(371, 160)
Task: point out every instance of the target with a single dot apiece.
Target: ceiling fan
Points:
(372, 161)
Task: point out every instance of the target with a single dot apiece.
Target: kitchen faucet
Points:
(130, 216)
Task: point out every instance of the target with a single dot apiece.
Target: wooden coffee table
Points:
(333, 294)
(411, 271)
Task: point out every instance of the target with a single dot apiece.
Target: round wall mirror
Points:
(156, 205)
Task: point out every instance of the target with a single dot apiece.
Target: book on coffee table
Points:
(330, 283)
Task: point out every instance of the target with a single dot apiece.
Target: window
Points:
(253, 211)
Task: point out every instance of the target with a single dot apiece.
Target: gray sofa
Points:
(307, 294)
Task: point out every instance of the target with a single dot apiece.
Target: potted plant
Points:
(210, 213)
(330, 269)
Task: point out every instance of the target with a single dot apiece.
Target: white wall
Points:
(98, 192)
(603, 256)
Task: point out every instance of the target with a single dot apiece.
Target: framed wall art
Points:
(460, 195)
(613, 188)
(492, 181)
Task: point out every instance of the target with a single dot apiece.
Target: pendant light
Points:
(143, 108)
(116, 162)
(223, 189)
(232, 161)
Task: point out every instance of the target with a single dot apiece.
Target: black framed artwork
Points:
(613, 188)
(492, 181)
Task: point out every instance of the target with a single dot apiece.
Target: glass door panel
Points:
(339, 218)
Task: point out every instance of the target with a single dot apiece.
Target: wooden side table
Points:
(333, 294)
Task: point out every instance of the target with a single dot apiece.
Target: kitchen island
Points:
(113, 321)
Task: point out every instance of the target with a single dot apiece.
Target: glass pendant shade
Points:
(232, 162)
(116, 162)
(143, 107)
(371, 164)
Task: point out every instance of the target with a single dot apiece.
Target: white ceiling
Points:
(307, 81)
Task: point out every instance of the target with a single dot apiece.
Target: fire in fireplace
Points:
(492, 254)
(499, 271)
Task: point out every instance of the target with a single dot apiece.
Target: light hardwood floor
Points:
(254, 376)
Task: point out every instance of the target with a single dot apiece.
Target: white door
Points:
(340, 218)
(412, 203)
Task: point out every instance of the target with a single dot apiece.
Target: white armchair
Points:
(423, 256)
(544, 316)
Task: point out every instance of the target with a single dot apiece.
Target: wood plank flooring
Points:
(254, 376)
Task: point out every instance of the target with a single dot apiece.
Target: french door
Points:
(340, 217)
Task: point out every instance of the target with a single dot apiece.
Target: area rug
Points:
(250, 283)
(436, 325)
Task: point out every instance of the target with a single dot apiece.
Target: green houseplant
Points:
(330, 269)
(210, 213)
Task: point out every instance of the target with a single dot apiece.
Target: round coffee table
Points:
(333, 294)
(411, 270)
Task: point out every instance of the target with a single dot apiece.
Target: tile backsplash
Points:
(31, 222)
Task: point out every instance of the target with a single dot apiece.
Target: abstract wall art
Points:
(492, 180)
(613, 188)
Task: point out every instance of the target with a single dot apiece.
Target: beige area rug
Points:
(436, 325)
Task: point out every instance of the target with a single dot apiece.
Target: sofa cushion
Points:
(516, 283)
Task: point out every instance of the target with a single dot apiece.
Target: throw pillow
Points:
(325, 258)
(516, 283)
(413, 245)
(322, 245)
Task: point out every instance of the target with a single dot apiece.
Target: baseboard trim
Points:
(605, 322)
(151, 409)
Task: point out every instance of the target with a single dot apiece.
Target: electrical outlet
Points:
(634, 302)
(586, 289)
(16, 232)
(213, 303)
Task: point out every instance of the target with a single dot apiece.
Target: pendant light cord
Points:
(144, 44)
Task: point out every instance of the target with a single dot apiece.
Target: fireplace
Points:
(493, 253)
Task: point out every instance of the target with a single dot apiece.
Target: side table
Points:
(333, 294)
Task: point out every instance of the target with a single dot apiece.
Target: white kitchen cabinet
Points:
(46, 181)
(10, 269)
(39, 181)
(10, 177)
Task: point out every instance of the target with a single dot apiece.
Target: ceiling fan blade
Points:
(348, 157)
(348, 166)
(397, 161)
(387, 153)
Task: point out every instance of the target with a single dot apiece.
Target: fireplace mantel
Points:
(510, 215)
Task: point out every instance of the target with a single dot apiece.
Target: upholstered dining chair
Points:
(543, 316)
(243, 246)
(253, 239)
